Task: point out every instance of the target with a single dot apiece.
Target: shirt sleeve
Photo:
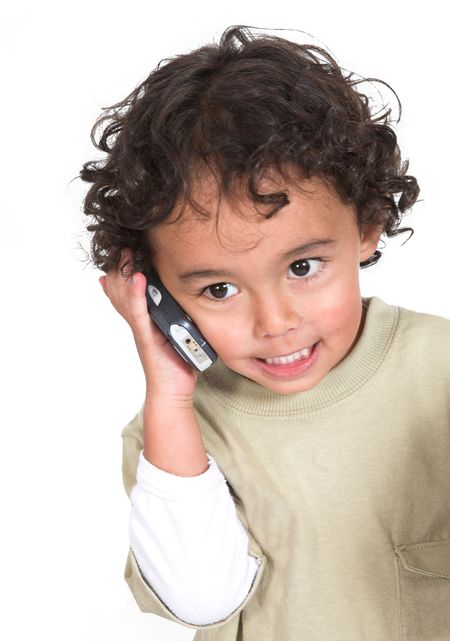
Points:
(200, 565)
(189, 544)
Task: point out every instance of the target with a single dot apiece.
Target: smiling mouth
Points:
(289, 358)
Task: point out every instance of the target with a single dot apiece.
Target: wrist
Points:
(165, 401)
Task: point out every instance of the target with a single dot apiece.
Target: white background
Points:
(71, 377)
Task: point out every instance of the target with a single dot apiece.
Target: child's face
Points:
(270, 289)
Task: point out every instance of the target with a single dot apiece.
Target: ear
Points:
(369, 239)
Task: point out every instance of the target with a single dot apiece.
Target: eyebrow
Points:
(298, 251)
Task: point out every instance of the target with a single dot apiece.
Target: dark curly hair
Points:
(237, 108)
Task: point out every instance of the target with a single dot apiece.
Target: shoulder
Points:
(421, 344)
(410, 330)
(426, 330)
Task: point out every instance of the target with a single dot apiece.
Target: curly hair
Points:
(239, 107)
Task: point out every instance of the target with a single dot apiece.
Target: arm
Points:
(167, 433)
(141, 586)
(189, 544)
(172, 437)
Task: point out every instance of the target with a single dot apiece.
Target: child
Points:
(299, 488)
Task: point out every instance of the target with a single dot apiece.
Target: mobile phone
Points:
(177, 326)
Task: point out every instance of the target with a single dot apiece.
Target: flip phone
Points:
(177, 326)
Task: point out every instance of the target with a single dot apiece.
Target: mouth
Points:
(290, 365)
(289, 358)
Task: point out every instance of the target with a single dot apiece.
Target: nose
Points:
(275, 315)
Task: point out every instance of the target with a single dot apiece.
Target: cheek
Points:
(339, 315)
(222, 334)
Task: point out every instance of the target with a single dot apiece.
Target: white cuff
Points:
(172, 487)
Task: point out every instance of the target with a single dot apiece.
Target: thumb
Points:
(139, 284)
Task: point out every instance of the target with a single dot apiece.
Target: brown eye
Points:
(300, 267)
(220, 291)
(305, 267)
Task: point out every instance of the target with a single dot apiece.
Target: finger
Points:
(102, 281)
(140, 283)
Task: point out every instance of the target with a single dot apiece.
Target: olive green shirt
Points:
(344, 490)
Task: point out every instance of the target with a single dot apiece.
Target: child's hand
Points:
(165, 371)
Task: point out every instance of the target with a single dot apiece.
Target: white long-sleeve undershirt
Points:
(189, 543)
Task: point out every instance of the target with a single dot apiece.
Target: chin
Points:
(284, 389)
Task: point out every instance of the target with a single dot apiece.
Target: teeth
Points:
(290, 358)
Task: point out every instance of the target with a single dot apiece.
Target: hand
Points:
(166, 373)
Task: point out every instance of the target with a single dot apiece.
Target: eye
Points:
(305, 267)
(219, 291)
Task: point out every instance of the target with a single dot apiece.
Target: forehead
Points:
(235, 226)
